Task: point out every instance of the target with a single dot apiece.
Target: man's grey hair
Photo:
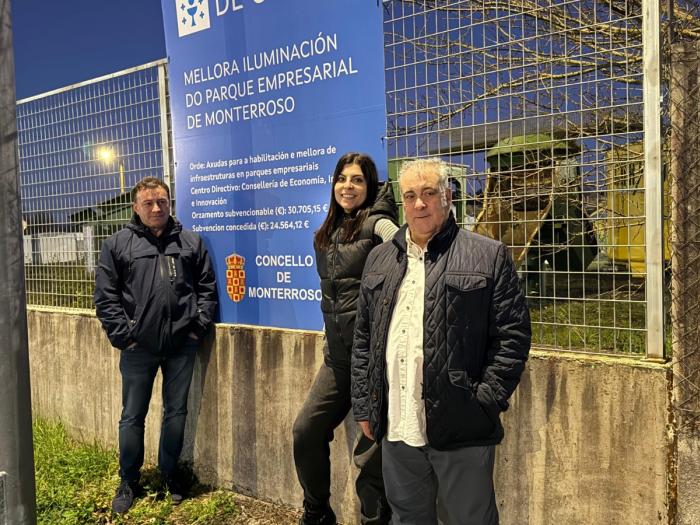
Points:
(429, 165)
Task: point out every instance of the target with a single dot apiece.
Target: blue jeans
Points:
(138, 368)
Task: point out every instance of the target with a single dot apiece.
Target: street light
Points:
(107, 156)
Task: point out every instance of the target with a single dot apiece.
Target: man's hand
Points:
(364, 425)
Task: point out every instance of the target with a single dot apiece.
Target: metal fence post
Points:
(653, 177)
(165, 141)
(16, 450)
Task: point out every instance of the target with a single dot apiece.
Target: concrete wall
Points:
(588, 440)
(688, 478)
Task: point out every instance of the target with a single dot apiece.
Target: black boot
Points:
(382, 516)
(321, 515)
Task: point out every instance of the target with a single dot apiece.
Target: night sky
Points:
(60, 43)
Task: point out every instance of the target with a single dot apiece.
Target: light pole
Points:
(107, 156)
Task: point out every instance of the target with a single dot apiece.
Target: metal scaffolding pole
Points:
(653, 179)
(17, 499)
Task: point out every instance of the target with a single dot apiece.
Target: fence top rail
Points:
(95, 80)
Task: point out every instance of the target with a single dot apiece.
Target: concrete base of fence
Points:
(688, 478)
(588, 438)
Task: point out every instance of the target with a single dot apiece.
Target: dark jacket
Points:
(476, 336)
(154, 291)
(340, 269)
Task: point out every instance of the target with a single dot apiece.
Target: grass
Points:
(590, 325)
(60, 285)
(75, 483)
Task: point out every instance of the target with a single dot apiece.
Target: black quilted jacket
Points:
(476, 336)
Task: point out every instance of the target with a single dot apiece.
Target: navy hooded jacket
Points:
(154, 291)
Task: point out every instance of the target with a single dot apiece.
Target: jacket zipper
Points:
(332, 279)
(165, 281)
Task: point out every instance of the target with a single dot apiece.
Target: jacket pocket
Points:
(470, 421)
(487, 401)
(141, 264)
(465, 296)
(373, 284)
(135, 323)
(372, 281)
(181, 267)
(460, 379)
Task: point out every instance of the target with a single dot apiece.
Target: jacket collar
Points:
(437, 243)
(173, 226)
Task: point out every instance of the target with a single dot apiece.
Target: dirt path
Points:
(255, 512)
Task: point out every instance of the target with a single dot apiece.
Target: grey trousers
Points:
(423, 484)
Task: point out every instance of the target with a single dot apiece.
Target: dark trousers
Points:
(325, 408)
(138, 369)
(453, 487)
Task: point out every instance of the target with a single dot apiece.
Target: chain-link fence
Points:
(684, 203)
(538, 106)
(81, 150)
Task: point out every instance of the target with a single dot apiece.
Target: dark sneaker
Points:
(177, 491)
(384, 512)
(124, 498)
(323, 515)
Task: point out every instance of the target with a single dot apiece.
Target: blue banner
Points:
(265, 96)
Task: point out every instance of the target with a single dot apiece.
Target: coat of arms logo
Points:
(235, 277)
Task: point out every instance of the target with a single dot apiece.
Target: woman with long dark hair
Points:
(362, 214)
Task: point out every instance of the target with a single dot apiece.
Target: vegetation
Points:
(61, 285)
(590, 325)
(600, 313)
(75, 484)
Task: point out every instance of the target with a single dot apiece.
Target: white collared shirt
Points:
(404, 354)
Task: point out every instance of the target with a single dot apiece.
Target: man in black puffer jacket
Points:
(155, 295)
(441, 339)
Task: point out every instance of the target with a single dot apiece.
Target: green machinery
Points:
(531, 201)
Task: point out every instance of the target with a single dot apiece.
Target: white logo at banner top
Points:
(192, 16)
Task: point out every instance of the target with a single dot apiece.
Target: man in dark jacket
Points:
(155, 296)
(441, 339)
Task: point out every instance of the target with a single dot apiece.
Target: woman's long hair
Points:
(336, 215)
